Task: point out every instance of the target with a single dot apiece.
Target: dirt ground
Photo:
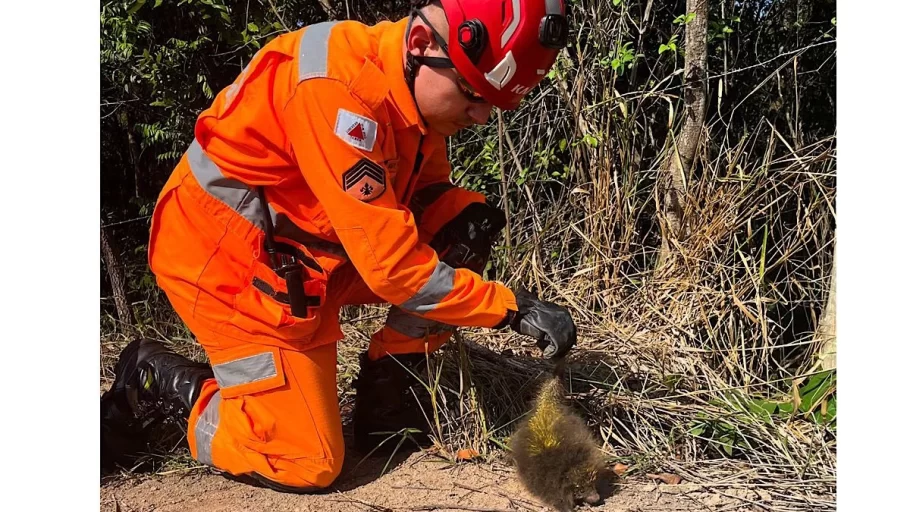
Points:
(416, 481)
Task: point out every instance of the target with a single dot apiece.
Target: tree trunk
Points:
(118, 281)
(132, 176)
(682, 149)
(826, 333)
(133, 148)
(329, 8)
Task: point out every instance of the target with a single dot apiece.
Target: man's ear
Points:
(420, 39)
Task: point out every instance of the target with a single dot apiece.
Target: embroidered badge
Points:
(364, 181)
(356, 130)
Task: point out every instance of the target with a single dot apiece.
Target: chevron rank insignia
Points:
(356, 130)
(365, 180)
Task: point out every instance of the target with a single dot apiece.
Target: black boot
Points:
(151, 384)
(389, 399)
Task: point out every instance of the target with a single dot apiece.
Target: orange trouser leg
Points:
(290, 434)
(270, 410)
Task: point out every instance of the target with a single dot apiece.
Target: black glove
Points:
(549, 323)
(467, 240)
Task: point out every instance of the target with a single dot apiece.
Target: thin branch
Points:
(461, 507)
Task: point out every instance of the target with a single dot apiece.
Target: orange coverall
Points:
(323, 119)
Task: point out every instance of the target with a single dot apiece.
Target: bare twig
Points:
(460, 507)
(352, 499)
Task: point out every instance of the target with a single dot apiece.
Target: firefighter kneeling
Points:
(320, 179)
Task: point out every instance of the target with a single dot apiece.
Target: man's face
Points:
(444, 99)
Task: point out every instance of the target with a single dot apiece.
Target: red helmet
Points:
(503, 48)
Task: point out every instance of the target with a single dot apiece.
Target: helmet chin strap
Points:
(415, 61)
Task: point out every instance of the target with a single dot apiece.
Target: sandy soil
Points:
(418, 482)
(411, 482)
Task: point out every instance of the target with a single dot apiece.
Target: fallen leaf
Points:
(667, 478)
(466, 454)
(620, 468)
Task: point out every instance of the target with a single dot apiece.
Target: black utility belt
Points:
(288, 263)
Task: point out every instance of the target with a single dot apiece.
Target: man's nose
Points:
(480, 112)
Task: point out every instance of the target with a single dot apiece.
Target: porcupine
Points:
(556, 455)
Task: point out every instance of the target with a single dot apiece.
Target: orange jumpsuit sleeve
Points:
(379, 235)
(436, 200)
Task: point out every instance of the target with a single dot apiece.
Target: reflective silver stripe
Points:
(206, 426)
(516, 19)
(231, 192)
(244, 201)
(554, 7)
(423, 198)
(313, 55)
(439, 285)
(414, 326)
(246, 370)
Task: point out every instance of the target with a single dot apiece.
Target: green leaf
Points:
(815, 389)
(617, 2)
(157, 3)
(834, 21)
(684, 19)
(727, 30)
(135, 7)
(562, 144)
(252, 27)
(763, 409)
(727, 442)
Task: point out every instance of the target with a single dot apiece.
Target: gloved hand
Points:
(467, 240)
(551, 324)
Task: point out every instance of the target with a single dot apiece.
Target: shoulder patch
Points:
(356, 130)
(365, 180)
